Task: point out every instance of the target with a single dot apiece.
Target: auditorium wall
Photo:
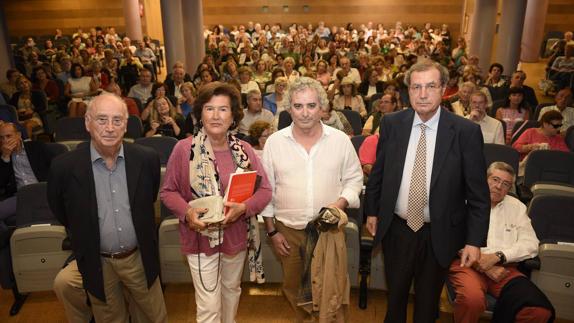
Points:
(40, 17)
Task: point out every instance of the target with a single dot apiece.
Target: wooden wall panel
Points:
(40, 17)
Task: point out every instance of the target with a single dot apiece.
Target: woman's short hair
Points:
(289, 59)
(550, 116)
(208, 91)
(73, 70)
(303, 83)
(257, 128)
(244, 69)
(281, 80)
(21, 78)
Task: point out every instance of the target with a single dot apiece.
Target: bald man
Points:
(104, 193)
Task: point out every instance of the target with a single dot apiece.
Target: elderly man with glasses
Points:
(511, 239)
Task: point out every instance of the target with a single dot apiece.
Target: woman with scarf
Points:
(200, 166)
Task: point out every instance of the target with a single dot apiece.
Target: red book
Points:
(241, 186)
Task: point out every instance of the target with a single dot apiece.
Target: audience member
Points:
(517, 80)
(386, 104)
(164, 120)
(8, 88)
(254, 112)
(143, 89)
(79, 89)
(259, 131)
(563, 100)
(29, 103)
(272, 102)
(547, 136)
(492, 129)
(511, 239)
(515, 110)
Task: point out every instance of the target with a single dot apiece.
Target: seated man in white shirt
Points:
(511, 239)
(491, 128)
(142, 90)
(563, 105)
(310, 166)
(254, 112)
(349, 71)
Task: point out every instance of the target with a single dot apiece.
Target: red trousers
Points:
(471, 287)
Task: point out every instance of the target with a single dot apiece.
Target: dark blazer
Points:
(40, 159)
(459, 198)
(364, 87)
(38, 99)
(72, 198)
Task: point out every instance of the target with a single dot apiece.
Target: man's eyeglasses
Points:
(556, 126)
(116, 121)
(498, 181)
(432, 87)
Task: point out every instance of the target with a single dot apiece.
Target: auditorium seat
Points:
(553, 223)
(548, 172)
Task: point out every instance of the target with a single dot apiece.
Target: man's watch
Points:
(272, 233)
(501, 257)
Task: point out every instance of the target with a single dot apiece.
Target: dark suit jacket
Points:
(40, 158)
(72, 198)
(459, 198)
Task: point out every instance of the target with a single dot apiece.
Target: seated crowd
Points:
(362, 72)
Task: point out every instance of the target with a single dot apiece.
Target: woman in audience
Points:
(349, 99)
(386, 104)
(158, 90)
(49, 49)
(277, 72)
(259, 131)
(79, 89)
(164, 120)
(261, 75)
(451, 85)
(495, 79)
(459, 52)
(43, 83)
(461, 106)
(307, 68)
(288, 67)
(110, 63)
(514, 110)
(547, 136)
(322, 73)
(189, 94)
(28, 104)
(272, 101)
(333, 63)
(322, 51)
(216, 255)
(245, 80)
(336, 119)
(229, 71)
(99, 77)
(371, 85)
(206, 78)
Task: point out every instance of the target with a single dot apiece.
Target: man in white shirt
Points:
(254, 112)
(511, 239)
(563, 99)
(309, 166)
(491, 128)
(142, 90)
(348, 71)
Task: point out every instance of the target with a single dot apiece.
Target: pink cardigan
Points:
(176, 192)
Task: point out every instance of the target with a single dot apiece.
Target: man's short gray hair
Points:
(424, 66)
(302, 83)
(502, 166)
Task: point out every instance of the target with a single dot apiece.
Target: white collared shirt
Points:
(491, 128)
(510, 231)
(431, 132)
(302, 182)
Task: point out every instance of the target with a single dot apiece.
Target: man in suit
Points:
(104, 194)
(427, 197)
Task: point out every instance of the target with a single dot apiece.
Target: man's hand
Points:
(234, 211)
(486, 262)
(497, 273)
(8, 147)
(469, 255)
(280, 244)
(193, 221)
(341, 203)
(372, 225)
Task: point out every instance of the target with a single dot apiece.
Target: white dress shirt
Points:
(491, 128)
(431, 131)
(510, 231)
(353, 74)
(302, 182)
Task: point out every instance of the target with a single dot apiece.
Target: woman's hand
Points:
(234, 211)
(193, 221)
(154, 125)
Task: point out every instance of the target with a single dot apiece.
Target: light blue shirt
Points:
(22, 169)
(117, 232)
